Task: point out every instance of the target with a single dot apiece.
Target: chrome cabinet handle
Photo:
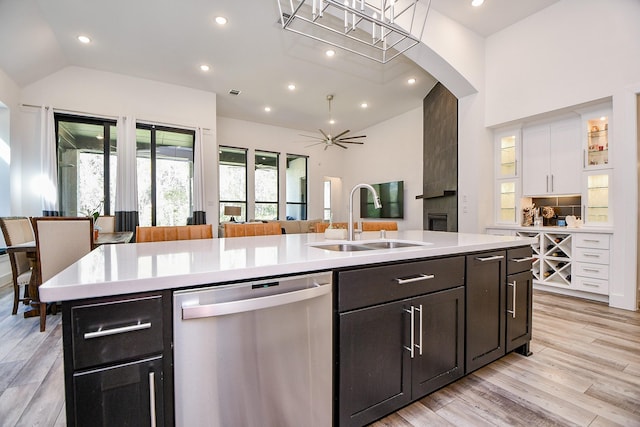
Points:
(589, 255)
(420, 346)
(547, 183)
(123, 330)
(152, 398)
(591, 270)
(593, 285)
(513, 301)
(552, 183)
(592, 240)
(413, 330)
(418, 278)
(529, 258)
(489, 258)
(190, 311)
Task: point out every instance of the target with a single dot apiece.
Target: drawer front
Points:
(375, 285)
(595, 271)
(596, 256)
(116, 331)
(519, 260)
(597, 286)
(595, 241)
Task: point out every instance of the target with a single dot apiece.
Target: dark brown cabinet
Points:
(118, 368)
(393, 352)
(486, 308)
(519, 299)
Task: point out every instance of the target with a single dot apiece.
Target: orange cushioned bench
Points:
(176, 232)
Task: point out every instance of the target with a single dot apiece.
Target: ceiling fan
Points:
(338, 140)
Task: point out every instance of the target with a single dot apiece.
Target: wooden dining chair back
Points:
(252, 229)
(176, 232)
(17, 230)
(379, 225)
(106, 223)
(60, 241)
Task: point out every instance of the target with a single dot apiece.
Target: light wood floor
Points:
(585, 371)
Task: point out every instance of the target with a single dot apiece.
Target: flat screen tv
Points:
(392, 199)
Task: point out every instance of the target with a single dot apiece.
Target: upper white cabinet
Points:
(551, 156)
(508, 153)
(596, 131)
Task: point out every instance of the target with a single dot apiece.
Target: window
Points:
(266, 185)
(165, 175)
(87, 165)
(233, 181)
(326, 211)
(296, 187)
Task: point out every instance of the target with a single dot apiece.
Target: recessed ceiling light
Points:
(411, 81)
(476, 3)
(221, 20)
(267, 109)
(330, 53)
(205, 67)
(364, 105)
(84, 39)
(292, 86)
(332, 122)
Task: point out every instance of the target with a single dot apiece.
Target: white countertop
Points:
(141, 267)
(551, 229)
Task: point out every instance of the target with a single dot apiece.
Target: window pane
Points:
(81, 165)
(232, 180)
(113, 168)
(266, 185)
(143, 166)
(174, 176)
(296, 187)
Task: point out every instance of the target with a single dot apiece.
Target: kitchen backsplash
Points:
(562, 206)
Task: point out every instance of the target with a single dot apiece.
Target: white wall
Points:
(99, 93)
(392, 151)
(9, 148)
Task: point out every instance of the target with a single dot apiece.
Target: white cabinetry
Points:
(507, 175)
(551, 158)
(596, 198)
(591, 252)
(596, 128)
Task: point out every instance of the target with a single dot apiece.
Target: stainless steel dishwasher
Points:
(254, 353)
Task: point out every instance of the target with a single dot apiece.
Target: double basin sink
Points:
(367, 245)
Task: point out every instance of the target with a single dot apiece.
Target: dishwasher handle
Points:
(252, 304)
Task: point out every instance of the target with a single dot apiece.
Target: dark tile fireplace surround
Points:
(440, 160)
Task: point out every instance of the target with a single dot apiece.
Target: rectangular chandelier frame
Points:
(366, 28)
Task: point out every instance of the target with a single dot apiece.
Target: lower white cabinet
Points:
(572, 260)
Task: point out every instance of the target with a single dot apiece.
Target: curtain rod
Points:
(84, 113)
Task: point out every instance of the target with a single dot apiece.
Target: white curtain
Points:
(199, 214)
(48, 163)
(126, 181)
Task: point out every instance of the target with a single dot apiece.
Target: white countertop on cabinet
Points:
(549, 229)
(141, 267)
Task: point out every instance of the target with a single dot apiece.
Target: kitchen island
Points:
(119, 321)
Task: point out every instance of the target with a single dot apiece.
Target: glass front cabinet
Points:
(596, 198)
(508, 175)
(596, 126)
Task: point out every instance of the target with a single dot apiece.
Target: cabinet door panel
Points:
(442, 359)
(519, 323)
(485, 304)
(565, 157)
(120, 395)
(535, 161)
(373, 366)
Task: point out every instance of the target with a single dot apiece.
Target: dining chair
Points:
(176, 232)
(252, 229)
(106, 223)
(60, 241)
(379, 225)
(17, 230)
(322, 226)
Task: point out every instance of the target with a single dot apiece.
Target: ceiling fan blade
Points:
(349, 142)
(313, 136)
(325, 147)
(342, 133)
(325, 135)
(315, 143)
(339, 145)
(351, 137)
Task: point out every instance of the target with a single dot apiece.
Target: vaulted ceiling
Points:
(168, 41)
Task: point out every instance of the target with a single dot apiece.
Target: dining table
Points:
(115, 237)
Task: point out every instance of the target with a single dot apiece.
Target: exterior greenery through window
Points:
(86, 152)
(232, 169)
(266, 185)
(165, 175)
(296, 186)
